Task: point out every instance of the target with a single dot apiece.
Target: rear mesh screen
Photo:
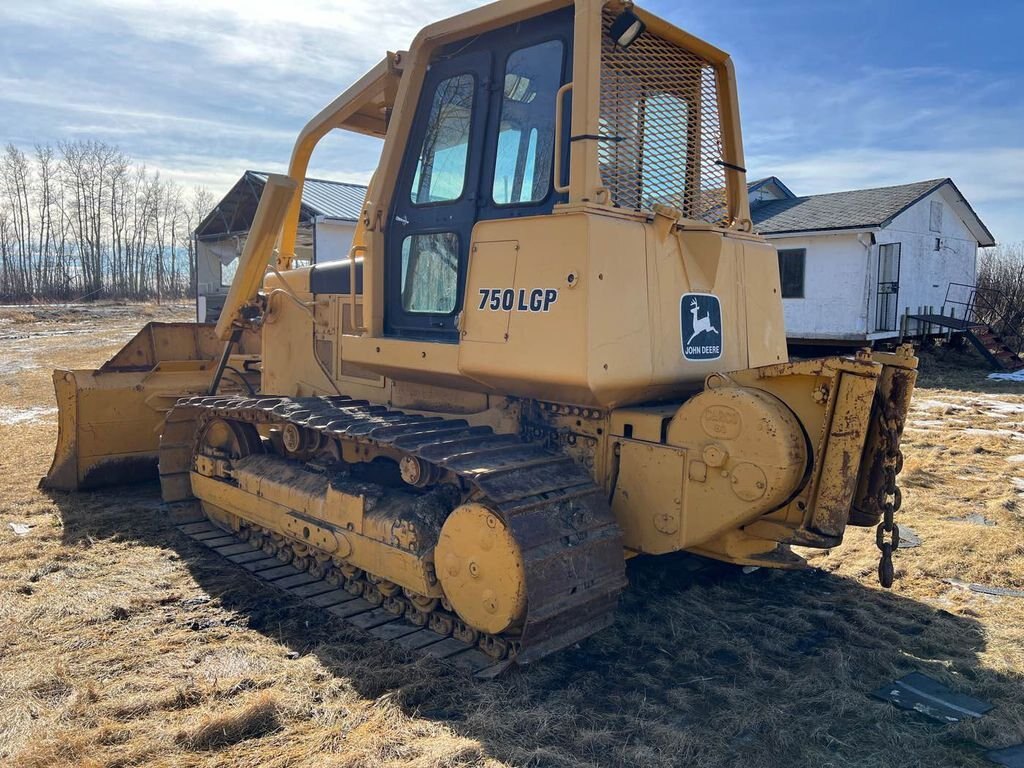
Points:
(661, 140)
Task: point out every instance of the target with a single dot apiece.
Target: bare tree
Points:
(85, 221)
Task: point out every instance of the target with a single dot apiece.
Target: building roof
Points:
(233, 215)
(333, 199)
(753, 186)
(858, 209)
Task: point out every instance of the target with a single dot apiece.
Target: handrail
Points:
(993, 308)
(559, 108)
(356, 326)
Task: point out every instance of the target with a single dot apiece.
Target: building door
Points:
(482, 147)
(887, 297)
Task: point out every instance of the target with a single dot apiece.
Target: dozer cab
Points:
(556, 344)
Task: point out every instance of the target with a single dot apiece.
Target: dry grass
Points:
(122, 643)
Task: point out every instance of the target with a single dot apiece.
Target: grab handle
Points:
(559, 99)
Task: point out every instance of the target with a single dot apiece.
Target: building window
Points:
(935, 219)
(791, 272)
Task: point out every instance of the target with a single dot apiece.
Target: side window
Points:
(935, 216)
(430, 271)
(791, 272)
(526, 134)
(441, 170)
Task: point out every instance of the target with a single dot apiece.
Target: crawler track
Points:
(571, 546)
(340, 604)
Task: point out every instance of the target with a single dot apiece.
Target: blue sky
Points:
(835, 95)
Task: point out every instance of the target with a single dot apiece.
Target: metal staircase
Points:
(993, 323)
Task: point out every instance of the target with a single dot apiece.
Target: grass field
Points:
(124, 643)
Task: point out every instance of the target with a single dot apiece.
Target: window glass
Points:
(430, 269)
(526, 135)
(441, 170)
(791, 272)
(227, 272)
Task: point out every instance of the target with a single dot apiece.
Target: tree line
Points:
(83, 221)
(1000, 282)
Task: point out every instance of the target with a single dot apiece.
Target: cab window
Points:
(441, 170)
(526, 133)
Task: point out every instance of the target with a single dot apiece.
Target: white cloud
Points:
(203, 90)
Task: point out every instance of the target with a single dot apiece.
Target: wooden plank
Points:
(417, 640)
(446, 648)
(394, 630)
(248, 557)
(235, 549)
(298, 580)
(351, 608)
(373, 619)
(191, 528)
(334, 597)
(271, 574)
(313, 589)
(222, 541)
(257, 566)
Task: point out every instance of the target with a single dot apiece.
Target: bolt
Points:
(474, 570)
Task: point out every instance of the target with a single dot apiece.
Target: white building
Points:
(853, 262)
(330, 210)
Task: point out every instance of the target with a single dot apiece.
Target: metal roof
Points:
(333, 199)
(857, 209)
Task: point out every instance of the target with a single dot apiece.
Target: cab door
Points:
(435, 208)
(481, 147)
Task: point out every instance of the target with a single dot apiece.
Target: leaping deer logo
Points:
(700, 324)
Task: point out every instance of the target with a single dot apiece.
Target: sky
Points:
(834, 94)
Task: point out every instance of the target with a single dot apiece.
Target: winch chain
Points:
(887, 535)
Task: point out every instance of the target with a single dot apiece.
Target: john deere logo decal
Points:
(701, 325)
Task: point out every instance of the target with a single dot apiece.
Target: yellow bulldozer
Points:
(556, 344)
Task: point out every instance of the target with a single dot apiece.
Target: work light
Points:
(626, 29)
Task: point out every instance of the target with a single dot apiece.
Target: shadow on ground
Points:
(764, 670)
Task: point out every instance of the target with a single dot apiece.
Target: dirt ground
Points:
(124, 643)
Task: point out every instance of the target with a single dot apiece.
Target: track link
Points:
(342, 605)
(571, 546)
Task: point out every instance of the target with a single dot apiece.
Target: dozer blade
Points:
(109, 418)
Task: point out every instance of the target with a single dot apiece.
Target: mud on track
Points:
(124, 643)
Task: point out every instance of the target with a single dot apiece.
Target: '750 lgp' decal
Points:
(523, 300)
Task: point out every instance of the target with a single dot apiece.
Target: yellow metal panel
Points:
(765, 343)
(643, 423)
(492, 267)
(648, 500)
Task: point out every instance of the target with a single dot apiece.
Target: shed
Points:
(330, 210)
(851, 263)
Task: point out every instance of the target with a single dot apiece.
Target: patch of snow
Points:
(11, 416)
(1012, 376)
(975, 518)
(997, 432)
(1001, 408)
(14, 366)
(1018, 459)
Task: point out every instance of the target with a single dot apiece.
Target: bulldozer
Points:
(556, 344)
